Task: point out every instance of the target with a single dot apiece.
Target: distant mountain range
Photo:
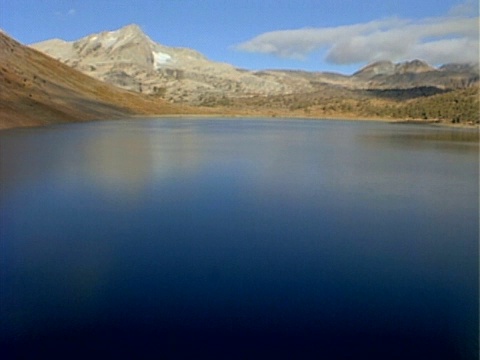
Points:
(129, 59)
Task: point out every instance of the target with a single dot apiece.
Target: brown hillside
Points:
(38, 90)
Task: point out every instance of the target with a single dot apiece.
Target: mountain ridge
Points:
(130, 59)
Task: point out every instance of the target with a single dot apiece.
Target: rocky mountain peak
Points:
(132, 29)
(388, 68)
(127, 31)
(415, 66)
(382, 67)
(109, 41)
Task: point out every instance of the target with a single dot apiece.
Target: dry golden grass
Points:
(38, 90)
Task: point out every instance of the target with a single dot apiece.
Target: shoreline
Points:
(420, 122)
(436, 123)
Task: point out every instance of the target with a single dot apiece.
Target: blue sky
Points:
(318, 35)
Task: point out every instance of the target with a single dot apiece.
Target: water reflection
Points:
(442, 139)
(116, 162)
(296, 237)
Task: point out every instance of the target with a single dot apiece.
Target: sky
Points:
(313, 35)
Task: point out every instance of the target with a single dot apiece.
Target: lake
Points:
(240, 238)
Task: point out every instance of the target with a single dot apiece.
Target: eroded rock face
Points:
(129, 59)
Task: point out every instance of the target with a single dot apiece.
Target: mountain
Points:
(463, 68)
(129, 59)
(37, 90)
(417, 73)
(388, 68)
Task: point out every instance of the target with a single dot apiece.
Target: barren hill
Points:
(36, 90)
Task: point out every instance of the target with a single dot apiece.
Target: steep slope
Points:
(37, 90)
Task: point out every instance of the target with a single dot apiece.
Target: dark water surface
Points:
(239, 239)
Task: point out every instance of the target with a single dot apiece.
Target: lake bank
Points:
(210, 113)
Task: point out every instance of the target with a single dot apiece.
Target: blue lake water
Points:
(239, 238)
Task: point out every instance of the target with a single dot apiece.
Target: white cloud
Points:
(436, 40)
(454, 50)
(69, 13)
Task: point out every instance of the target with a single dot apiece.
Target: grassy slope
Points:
(38, 90)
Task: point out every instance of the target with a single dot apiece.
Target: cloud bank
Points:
(454, 38)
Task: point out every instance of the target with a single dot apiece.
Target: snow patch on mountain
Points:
(160, 59)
